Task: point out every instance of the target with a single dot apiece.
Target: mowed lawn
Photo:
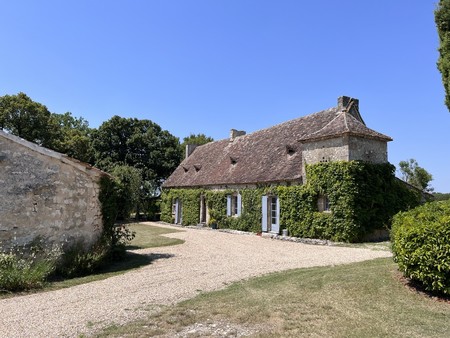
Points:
(148, 236)
(367, 299)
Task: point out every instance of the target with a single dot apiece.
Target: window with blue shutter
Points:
(264, 213)
(234, 205)
(239, 205)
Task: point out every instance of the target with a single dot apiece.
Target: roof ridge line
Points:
(345, 121)
(325, 126)
(281, 123)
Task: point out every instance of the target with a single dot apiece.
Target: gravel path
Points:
(208, 260)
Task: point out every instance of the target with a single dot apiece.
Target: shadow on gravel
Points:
(134, 260)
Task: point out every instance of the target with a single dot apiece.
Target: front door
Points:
(270, 214)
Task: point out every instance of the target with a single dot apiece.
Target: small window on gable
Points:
(290, 150)
(234, 205)
(323, 203)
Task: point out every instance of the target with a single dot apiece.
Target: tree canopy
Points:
(27, 119)
(442, 19)
(141, 144)
(73, 137)
(415, 175)
(197, 139)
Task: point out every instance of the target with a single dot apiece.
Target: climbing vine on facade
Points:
(361, 197)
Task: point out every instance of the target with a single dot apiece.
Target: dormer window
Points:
(197, 167)
(233, 160)
(290, 150)
(186, 169)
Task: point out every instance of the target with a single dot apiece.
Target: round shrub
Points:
(421, 245)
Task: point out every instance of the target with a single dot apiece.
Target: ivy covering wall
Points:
(363, 197)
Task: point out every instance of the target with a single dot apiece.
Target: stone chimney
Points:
(190, 149)
(351, 106)
(235, 133)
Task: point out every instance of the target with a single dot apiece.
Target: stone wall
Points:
(344, 148)
(328, 150)
(44, 194)
(369, 150)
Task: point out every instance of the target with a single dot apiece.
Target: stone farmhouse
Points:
(276, 156)
(47, 195)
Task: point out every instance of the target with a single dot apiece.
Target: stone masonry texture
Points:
(45, 195)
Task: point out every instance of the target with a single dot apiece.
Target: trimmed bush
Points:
(421, 245)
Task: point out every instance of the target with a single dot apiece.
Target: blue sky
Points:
(208, 66)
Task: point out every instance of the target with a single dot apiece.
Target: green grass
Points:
(148, 236)
(365, 299)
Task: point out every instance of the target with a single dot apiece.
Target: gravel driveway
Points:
(208, 260)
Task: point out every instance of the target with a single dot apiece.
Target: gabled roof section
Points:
(270, 155)
(265, 156)
(344, 124)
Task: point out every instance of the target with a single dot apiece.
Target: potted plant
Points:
(213, 223)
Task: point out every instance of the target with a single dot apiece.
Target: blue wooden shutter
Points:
(239, 204)
(228, 205)
(176, 211)
(264, 213)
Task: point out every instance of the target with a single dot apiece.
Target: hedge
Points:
(421, 245)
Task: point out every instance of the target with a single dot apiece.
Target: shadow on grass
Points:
(417, 287)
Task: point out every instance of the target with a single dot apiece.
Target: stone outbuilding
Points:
(46, 195)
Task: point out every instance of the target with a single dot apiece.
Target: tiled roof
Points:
(268, 155)
(345, 123)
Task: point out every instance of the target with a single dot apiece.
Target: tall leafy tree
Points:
(141, 144)
(442, 19)
(25, 118)
(128, 183)
(416, 175)
(73, 137)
